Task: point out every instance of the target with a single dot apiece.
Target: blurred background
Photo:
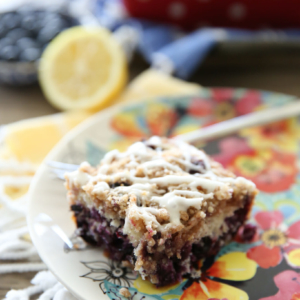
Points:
(189, 39)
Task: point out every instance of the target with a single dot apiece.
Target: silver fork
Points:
(214, 131)
(60, 168)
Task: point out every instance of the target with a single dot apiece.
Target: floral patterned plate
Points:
(265, 269)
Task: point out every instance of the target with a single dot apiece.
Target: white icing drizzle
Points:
(103, 169)
(191, 194)
(155, 141)
(160, 163)
(238, 180)
(193, 182)
(188, 151)
(232, 180)
(100, 188)
(138, 149)
(110, 156)
(175, 204)
(176, 192)
(148, 215)
(188, 165)
(127, 176)
(137, 187)
(78, 177)
(132, 164)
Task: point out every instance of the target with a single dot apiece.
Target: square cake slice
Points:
(159, 207)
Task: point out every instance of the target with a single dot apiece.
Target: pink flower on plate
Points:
(222, 94)
(248, 103)
(200, 107)
(230, 148)
(277, 241)
(288, 283)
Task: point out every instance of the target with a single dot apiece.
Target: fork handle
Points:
(233, 125)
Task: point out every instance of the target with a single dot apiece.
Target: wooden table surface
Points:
(268, 67)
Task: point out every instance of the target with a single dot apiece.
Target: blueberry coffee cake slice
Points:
(159, 207)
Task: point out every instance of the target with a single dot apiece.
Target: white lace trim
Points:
(14, 242)
(43, 282)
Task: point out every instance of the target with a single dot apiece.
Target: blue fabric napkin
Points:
(171, 49)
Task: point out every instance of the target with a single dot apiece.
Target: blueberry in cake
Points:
(159, 207)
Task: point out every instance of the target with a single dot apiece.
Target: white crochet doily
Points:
(15, 244)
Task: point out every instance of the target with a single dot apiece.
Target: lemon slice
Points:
(31, 140)
(83, 68)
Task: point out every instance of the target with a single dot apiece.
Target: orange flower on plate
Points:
(281, 135)
(296, 296)
(270, 170)
(154, 119)
(127, 123)
(160, 118)
(234, 266)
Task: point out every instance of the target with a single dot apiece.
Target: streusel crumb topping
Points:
(156, 185)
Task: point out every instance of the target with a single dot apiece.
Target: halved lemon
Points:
(83, 68)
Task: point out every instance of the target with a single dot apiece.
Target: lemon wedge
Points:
(83, 68)
(31, 140)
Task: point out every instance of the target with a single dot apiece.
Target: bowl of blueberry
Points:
(24, 34)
